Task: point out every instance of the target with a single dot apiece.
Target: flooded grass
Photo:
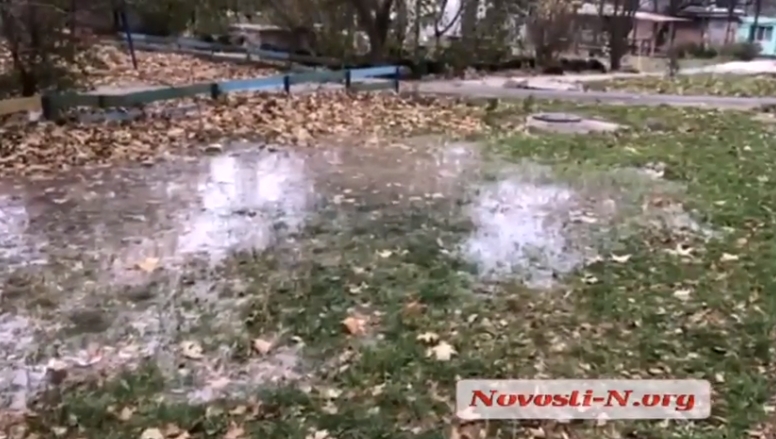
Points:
(643, 253)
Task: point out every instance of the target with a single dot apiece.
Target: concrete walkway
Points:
(450, 88)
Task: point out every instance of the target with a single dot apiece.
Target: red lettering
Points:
(650, 400)
(486, 400)
(685, 403)
(542, 400)
(614, 398)
(560, 400)
(524, 400)
(506, 400)
(621, 397)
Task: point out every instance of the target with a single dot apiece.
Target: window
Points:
(763, 33)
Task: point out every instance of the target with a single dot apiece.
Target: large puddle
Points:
(80, 251)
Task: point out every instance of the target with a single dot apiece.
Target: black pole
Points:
(72, 18)
(125, 23)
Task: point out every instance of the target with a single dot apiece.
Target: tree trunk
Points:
(469, 22)
(375, 19)
(620, 26)
(755, 23)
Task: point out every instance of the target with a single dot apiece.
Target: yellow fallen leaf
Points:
(172, 430)
(354, 325)
(148, 264)
(151, 433)
(442, 352)
(319, 434)
(682, 293)
(727, 257)
(385, 254)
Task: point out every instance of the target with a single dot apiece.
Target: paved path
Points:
(480, 91)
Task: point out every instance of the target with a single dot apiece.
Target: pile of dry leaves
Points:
(281, 119)
(108, 65)
(114, 67)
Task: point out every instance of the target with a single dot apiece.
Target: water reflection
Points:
(245, 200)
(521, 229)
(248, 199)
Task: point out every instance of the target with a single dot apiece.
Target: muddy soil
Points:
(107, 268)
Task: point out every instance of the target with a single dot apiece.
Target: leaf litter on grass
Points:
(692, 85)
(372, 290)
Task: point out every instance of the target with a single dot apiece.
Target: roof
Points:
(591, 9)
(760, 20)
(657, 18)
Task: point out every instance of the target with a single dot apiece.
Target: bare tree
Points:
(374, 18)
(621, 21)
(550, 28)
(45, 49)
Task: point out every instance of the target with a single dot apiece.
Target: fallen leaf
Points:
(319, 434)
(239, 410)
(172, 430)
(213, 148)
(682, 293)
(355, 325)
(261, 346)
(148, 264)
(192, 350)
(728, 257)
(152, 433)
(680, 250)
(234, 432)
(385, 254)
(126, 414)
(621, 259)
(442, 352)
(219, 383)
(428, 337)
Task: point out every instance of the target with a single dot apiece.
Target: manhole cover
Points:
(557, 118)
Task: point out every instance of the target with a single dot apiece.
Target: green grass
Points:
(703, 84)
(389, 269)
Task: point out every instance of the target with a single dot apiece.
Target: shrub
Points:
(695, 50)
(744, 51)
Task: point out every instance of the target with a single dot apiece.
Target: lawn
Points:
(716, 85)
(384, 313)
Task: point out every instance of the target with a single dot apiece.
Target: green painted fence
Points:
(55, 104)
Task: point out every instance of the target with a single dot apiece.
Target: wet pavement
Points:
(80, 252)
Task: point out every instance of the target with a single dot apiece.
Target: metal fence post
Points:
(47, 107)
(287, 83)
(347, 79)
(215, 90)
(396, 79)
